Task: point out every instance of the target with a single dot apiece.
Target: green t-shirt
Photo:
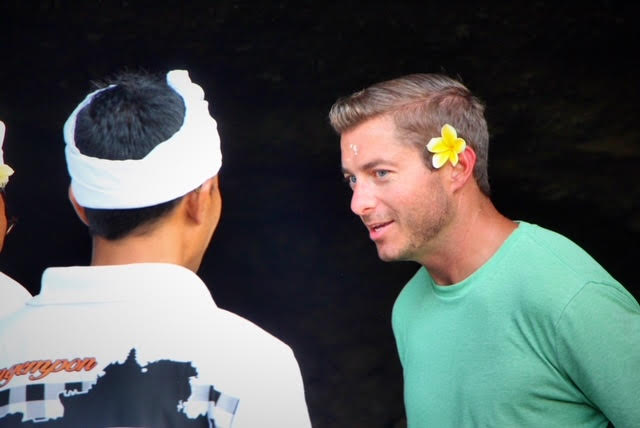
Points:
(539, 336)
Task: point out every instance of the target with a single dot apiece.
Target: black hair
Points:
(127, 121)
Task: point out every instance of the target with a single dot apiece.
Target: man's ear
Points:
(197, 201)
(463, 171)
(82, 215)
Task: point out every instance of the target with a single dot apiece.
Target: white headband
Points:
(172, 169)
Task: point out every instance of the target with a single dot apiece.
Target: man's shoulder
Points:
(12, 295)
(238, 326)
(550, 270)
(12, 287)
(553, 253)
(411, 294)
(415, 285)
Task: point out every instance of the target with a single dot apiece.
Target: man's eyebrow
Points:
(370, 165)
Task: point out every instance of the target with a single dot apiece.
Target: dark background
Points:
(560, 82)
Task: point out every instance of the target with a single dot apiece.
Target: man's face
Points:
(402, 203)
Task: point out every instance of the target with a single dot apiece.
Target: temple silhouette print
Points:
(125, 395)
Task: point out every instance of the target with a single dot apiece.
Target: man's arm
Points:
(598, 345)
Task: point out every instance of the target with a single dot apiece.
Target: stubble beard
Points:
(421, 233)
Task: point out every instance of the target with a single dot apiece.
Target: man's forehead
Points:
(375, 127)
(364, 138)
(374, 136)
(379, 155)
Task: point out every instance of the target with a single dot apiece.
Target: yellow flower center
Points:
(447, 147)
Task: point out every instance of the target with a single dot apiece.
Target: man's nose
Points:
(363, 199)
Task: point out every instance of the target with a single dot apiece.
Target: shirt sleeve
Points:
(598, 347)
(294, 405)
(277, 396)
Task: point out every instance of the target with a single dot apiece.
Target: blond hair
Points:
(420, 104)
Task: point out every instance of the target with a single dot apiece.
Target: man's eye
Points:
(350, 180)
(381, 173)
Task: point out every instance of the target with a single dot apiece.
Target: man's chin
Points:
(388, 255)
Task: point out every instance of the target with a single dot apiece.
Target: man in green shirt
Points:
(505, 323)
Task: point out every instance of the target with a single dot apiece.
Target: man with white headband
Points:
(12, 295)
(135, 339)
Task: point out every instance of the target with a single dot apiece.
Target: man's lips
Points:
(377, 229)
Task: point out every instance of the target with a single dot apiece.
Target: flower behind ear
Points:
(447, 147)
(5, 170)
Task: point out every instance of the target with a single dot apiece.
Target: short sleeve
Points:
(276, 395)
(598, 348)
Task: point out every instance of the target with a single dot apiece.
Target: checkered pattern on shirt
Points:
(37, 401)
(222, 407)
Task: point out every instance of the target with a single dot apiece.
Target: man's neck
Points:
(156, 247)
(470, 241)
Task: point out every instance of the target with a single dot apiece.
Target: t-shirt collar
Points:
(139, 281)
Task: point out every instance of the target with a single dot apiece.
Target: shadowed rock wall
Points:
(559, 82)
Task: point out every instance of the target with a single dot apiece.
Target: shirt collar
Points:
(117, 283)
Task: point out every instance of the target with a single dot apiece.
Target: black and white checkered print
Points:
(222, 407)
(39, 402)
